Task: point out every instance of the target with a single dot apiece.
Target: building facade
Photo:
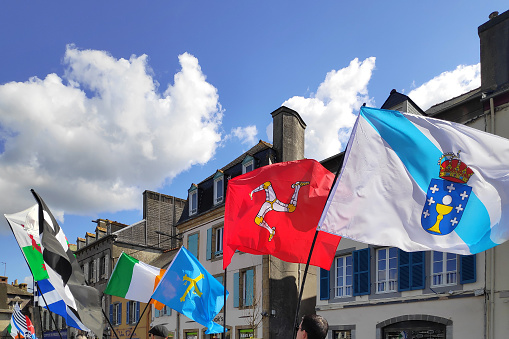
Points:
(381, 292)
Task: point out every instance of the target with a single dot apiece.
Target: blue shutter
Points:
(418, 276)
(192, 243)
(361, 277)
(128, 309)
(410, 270)
(324, 284)
(468, 271)
(404, 275)
(119, 315)
(209, 244)
(111, 313)
(236, 289)
(137, 311)
(156, 313)
(249, 287)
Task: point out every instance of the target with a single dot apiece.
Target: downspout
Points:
(492, 259)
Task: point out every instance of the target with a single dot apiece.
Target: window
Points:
(444, 268)
(243, 288)
(102, 268)
(342, 334)
(133, 312)
(192, 243)
(215, 242)
(193, 199)
(218, 187)
(116, 313)
(91, 271)
(247, 164)
(344, 276)
(386, 270)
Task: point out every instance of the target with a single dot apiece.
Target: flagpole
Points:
(296, 324)
(142, 313)
(50, 313)
(224, 307)
(109, 323)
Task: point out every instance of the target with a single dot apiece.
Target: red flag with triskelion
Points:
(275, 210)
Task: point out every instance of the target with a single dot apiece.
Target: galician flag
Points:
(134, 280)
(420, 183)
(25, 228)
(189, 289)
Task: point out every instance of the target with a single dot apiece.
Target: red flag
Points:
(275, 210)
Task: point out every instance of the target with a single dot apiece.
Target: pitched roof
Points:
(396, 98)
(443, 106)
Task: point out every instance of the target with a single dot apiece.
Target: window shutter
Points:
(111, 313)
(249, 288)
(137, 311)
(418, 276)
(192, 242)
(468, 271)
(209, 244)
(106, 263)
(85, 270)
(361, 277)
(128, 311)
(236, 289)
(119, 315)
(324, 284)
(157, 313)
(403, 271)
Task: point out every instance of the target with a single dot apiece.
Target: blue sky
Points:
(103, 100)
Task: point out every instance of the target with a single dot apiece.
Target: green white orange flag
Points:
(26, 231)
(134, 280)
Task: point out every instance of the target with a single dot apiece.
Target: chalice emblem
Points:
(447, 197)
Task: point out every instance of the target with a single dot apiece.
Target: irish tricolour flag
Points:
(134, 280)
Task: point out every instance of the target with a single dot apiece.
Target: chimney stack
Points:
(288, 134)
(494, 39)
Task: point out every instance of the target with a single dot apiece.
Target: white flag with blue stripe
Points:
(420, 183)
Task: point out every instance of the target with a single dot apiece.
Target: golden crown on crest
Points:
(453, 169)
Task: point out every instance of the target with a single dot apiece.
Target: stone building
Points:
(145, 240)
(10, 294)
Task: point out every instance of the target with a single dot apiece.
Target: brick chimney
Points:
(3, 280)
(494, 39)
(288, 134)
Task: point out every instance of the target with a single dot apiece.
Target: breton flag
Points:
(25, 228)
(134, 280)
(275, 210)
(188, 288)
(20, 325)
(65, 274)
(420, 183)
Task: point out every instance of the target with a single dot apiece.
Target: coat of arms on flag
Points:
(447, 197)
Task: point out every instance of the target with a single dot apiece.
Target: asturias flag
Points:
(275, 210)
(420, 183)
(190, 290)
(134, 280)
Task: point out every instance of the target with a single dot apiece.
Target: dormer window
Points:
(193, 199)
(247, 164)
(218, 187)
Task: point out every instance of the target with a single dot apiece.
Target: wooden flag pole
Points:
(141, 315)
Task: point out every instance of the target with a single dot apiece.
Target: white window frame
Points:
(218, 196)
(116, 309)
(384, 266)
(344, 270)
(442, 274)
(247, 163)
(193, 205)
(132, 312)
(218, 241)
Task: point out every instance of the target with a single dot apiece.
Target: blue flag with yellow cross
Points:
(189, 289)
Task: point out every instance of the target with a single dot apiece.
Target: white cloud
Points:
(447, 85)
(329, 114)
(246, 135)
(94, 139)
